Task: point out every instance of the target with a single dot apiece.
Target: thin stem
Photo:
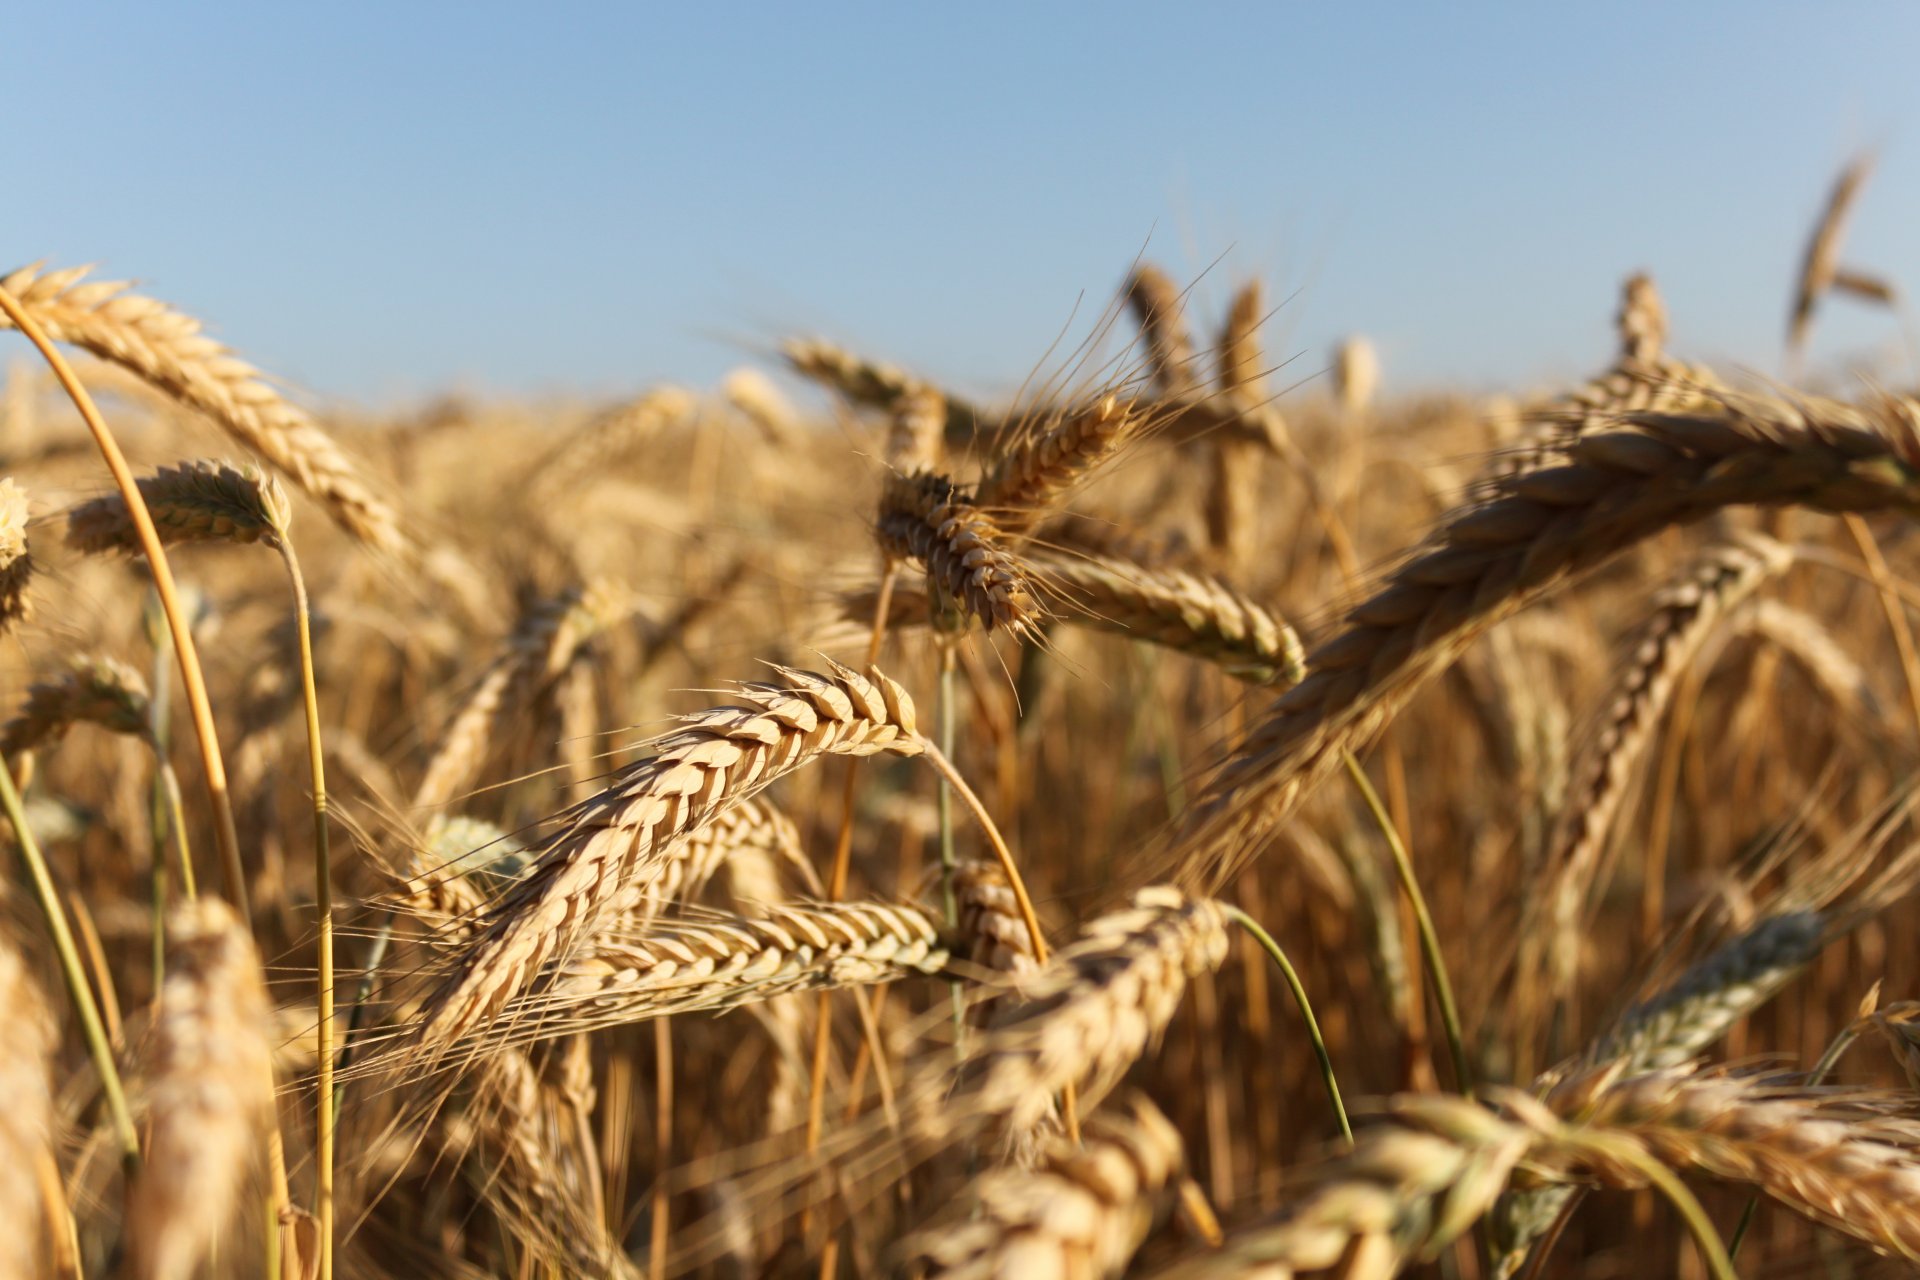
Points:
(949, 904)
(77, 989)
(1299, 990)
(1423, 919)
(361, 995)
(662, 1145)
(323, 907)
(196, 687)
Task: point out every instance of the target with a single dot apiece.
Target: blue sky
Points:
(383, 201)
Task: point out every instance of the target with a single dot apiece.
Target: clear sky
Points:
(384, 201)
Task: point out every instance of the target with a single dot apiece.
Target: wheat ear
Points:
(94, 690)
(711, 962)
(16, 565)
(27, 1120)
(167, 349)
(626, 834)
(1685, 614)
(193, 501)
(1532, 533)
(1078, 1215)
(1821, 265)
(1157, 308)
(929, 519)
(1029, 477)
(209, 1087)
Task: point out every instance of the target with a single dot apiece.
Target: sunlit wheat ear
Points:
(520, 1123)
(930, 520)
(1078, 1215)
(209, 1093)
(1191, 613)
(1685, 614)
(916, 430)
(527, 655)
(1412, 1185)
(27, 1120)
(993, 935)
(1235, 480)
(1029, 478)
(1844, 1158)
(16, 565)
(755, 396)
(1642, 320)
(1356, 374)
(1087, 1015)
(1820, 270)
(1529, 534)
(1158, 309)
(625, 835)
(193, 501)
(168, 350)
(654, 968)
(610, 437)
(94, 690)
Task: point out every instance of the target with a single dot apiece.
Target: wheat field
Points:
(1188, 819)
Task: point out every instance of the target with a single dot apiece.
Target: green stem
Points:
(1423, 921)
(323, 905)
(1299, 990)
(77, 988)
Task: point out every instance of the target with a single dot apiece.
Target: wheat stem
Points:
(1287, 971)
(1423, 921)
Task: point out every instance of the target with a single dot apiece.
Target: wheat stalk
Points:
(626, 834)
(168, 349)
(209, 1086)
(1079, 1214)
(1532, 533)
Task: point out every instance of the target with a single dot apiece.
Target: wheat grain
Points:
(929, 519)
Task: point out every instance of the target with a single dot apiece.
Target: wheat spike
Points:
(626, 834)
(16, 565)
(929, 519)
(1079, 1215)
(193, 501)
(1821, 264)
(209, 1087)
(168, 349)
(610, 437)
(94, 690)
(1090, 1013)
(1532, 533)
(711, 963)
(1685, 614)
(1356, 375)
(995, 936)
(27, 1119)
(1157, 307)
(1029, 477)
(1845, 1158)
(916, 430)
